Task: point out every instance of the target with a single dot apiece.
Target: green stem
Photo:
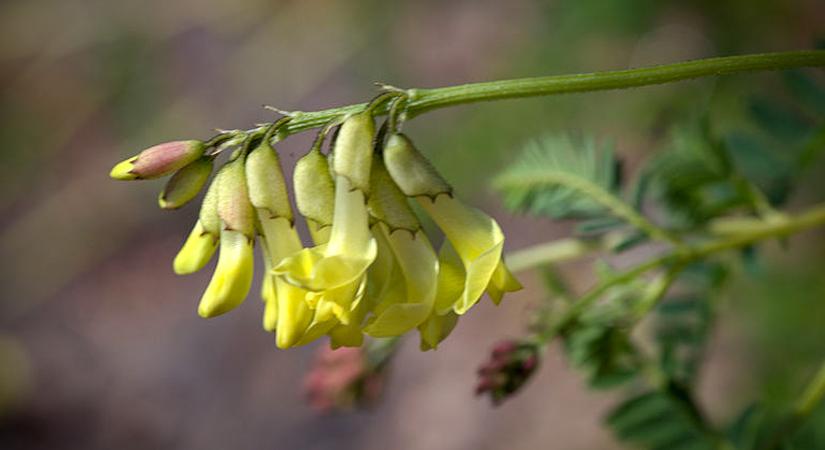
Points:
(684, 255)
(811, 398)
(552, 252)
(813, 394)
(422, 100)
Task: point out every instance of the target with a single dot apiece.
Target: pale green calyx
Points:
(411, 171)
(208, 215)
(353, 150)
(185, 184)
(314, 188)
(387, 203)
(234, 208)
(265, 182)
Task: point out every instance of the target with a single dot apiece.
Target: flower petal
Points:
(502, 281)
(232, 278)
(337, 268)
(451, 277)
(294, 315)
(196, 251)
(435, 329)
(477, 239)
(418, 263)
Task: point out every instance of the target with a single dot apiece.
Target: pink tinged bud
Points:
(510, 365)
(160, 160)
(530, 363)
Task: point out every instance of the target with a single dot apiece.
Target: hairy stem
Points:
(422, 100)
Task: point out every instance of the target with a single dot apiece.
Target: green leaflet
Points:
(657, 420)
(561, 177)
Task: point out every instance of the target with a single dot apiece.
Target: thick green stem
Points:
(422, 100)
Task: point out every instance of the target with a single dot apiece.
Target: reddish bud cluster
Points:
(511, 364)
(342, 379)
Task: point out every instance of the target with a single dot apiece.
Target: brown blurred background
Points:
(100, 343)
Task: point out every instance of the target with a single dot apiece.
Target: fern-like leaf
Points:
(561, 177)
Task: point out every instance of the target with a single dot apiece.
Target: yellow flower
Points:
(407, 282)
(203, 240)
(232, 278)
(196, 251)
(476, 238)
(286, 311)
(336, 269)
(410, 298)
(233, 275)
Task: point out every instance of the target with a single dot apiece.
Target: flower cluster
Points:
(510, 366)
(372, 269)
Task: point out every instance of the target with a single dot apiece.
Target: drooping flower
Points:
(203, 240)
(286, 311)
(476, 238)
(157, 161)
(413, 271)
(233, 275)
(335, 270)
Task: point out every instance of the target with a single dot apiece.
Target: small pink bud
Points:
(157, 161)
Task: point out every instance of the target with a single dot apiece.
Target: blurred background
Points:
(100, 343)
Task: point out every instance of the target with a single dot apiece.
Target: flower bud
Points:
(411, 171)
(185, 184)
(265, 181)
(208, 214)
(234, 208)
(203, 240)
(353, 150)
(510, 366)
(159, 160)
(345, 378)
(315, 193)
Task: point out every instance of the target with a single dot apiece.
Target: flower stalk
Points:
(419, 101)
